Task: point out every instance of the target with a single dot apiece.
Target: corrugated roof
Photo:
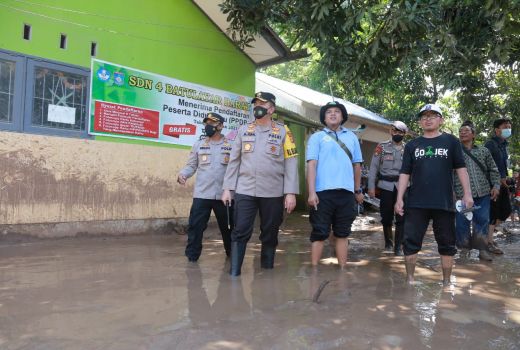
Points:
(293, 97)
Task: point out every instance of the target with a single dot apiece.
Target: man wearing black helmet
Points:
(263, 174)
(334, 181)
(209, 156)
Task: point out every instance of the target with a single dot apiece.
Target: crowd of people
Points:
(460, 186)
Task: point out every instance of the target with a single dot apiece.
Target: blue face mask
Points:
(506, 133)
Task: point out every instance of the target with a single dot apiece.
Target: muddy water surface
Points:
(141, 293)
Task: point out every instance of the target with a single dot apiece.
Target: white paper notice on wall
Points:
(61, 114)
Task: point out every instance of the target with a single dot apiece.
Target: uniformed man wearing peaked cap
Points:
(209, 157)
(214, 117)
(263, 174)
(384, 169)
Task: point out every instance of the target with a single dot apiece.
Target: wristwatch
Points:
(358, 191)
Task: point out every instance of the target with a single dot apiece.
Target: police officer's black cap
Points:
(215, 117)
(330, 105)
(264, 97)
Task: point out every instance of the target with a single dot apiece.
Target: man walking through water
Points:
(429, 161)
(333, 177)
(263, 173)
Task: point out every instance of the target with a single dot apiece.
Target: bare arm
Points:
(311, 183)
(357, 181)
(402, 184)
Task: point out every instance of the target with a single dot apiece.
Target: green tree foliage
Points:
(392, 56)
(371, 39)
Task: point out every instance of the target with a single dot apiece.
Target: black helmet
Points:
(330, 105)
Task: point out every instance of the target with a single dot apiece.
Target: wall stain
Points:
(25, 180)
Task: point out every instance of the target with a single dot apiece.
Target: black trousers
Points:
(271, 216)
(198, 222)
(386, 208)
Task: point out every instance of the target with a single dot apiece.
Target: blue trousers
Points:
(480, 223)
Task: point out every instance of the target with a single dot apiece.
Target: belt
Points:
(390, 178)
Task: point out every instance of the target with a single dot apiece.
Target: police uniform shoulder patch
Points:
(289, 145)
(378, 150)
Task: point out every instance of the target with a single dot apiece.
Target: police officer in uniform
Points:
(263, 174)
(210, 157)
(384, 168)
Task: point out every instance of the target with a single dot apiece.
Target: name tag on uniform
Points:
(388, 157)
(274, 138)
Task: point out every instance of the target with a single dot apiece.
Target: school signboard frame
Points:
(134, 104)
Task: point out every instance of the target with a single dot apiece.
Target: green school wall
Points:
(172, 38)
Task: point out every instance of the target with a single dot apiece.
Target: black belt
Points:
(390, 178)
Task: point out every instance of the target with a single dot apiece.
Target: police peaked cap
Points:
(264, 97)
(215, 117)
(330, 105)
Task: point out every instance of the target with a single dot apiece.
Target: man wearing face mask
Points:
(210, 157)
(501, 206)
(384, 168)
(263, 174)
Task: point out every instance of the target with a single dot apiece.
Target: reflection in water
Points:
(229, 305)
(128, 293)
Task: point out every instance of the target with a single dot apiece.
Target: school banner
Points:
(130, 103)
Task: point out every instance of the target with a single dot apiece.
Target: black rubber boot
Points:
(398, 246)
(387, 231)
(267, 257)
(238, 250)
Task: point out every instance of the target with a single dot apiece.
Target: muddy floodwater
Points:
(141, 293)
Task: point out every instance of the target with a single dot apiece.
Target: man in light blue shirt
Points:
(333, 178)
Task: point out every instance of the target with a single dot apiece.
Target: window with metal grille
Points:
(59, 99)
(7, 74)
(56, 96)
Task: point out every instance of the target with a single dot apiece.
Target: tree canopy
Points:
(371, 39)
(392, 56)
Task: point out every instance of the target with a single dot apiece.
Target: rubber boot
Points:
(238, 250)
(389, 244)
(267, 257)
(398, 247)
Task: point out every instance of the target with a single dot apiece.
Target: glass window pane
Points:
(59, 99)
(7, 71)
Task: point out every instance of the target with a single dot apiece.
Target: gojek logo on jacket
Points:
(430, 152)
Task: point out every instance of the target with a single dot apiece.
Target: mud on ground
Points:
(141, 293)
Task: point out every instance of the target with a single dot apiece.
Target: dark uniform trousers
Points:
(386, 208)
(198, 222)
(271, 217)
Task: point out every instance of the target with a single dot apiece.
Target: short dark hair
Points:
(498, 122)
(469, 124)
